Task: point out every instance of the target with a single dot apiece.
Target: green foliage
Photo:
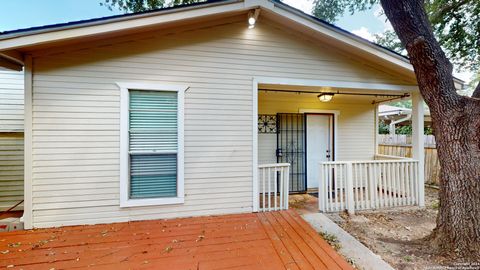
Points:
(143, 5)
(383, 128)
(389, 39)
(457, 27)
(456, 24)
(331, 10)
(404, 130)
(402, 103)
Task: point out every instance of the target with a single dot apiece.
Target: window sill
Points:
(151, 202)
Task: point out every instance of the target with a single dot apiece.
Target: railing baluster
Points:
(321, 188)
(263, 190)
(364, 186)
(340, 187)
(280, 193)
(355, 176)
(380, 185)
(372, 185)
(269, 188)
(361, 185)
(286, 186)
(389, 184)
(275, 189)
(412, 183)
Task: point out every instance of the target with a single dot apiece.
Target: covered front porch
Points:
(323, 140)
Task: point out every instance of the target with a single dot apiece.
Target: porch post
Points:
(418, 151)
(377, 130)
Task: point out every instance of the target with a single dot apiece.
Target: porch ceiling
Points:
(310, 93)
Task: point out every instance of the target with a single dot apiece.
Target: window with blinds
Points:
(153, 144)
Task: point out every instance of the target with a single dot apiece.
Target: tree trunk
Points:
(457, 130)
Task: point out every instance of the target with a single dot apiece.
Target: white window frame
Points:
(125, 201)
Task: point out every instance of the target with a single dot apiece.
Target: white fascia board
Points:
(116, 24)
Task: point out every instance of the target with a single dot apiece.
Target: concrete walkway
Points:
(351, 248)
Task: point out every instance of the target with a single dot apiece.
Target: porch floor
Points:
(275, 240)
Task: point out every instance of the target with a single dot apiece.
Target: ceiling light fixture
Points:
(325, 97)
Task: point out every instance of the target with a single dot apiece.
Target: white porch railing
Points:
(361, 185)
(273, 186)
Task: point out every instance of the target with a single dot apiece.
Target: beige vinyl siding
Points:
(11, 139)
(76, 116)
(267, 145)
(11, 170)
(355, 131)
(11, 101)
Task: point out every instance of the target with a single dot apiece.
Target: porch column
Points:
(418, 152)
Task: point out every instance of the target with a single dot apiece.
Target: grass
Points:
(331, 239)
(435, 204)
(407, 258)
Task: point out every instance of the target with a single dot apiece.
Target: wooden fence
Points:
(432, 166)
(399, 139)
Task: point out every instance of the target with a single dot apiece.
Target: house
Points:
(393, 115)
(11, 140)
(181, 111)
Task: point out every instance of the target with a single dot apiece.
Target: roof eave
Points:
(115, 24)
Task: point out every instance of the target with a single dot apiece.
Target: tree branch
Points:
(432, 68)
(440, 13)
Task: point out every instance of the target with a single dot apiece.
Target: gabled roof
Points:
(13, 43)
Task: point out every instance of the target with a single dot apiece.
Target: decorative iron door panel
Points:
(291, 148)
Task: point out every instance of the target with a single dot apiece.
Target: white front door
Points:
(319, 145)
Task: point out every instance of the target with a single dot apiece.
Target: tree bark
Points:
(457, 130)
(476, 93)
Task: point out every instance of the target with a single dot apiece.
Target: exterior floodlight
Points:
(252, 18)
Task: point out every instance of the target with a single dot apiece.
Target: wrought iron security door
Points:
(291, 148)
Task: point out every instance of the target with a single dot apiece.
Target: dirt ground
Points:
(395, 235)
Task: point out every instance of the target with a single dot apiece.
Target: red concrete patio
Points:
(275, 240)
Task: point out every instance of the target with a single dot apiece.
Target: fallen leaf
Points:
(200, 238)
(14, 244)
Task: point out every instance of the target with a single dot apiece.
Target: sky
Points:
(17, 14)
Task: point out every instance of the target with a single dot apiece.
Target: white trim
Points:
(27, 217)
(124, 155)
(59, 34)
(418, 148)
(376, 128)
(336, 114)
(336, 84)
(256, 199)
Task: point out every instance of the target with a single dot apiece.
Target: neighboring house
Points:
(11, 139)
(169, 113)
(398, 116)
